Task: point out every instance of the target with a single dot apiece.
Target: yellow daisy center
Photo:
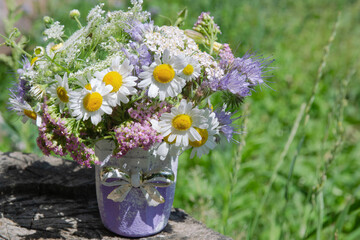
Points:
(182, 122)
(62, 94)
(30, 114)
(166, 139)
(92, 101)
(188, 70)
(57, 46)
(33, 60)
(88, 86)
(204, 137)
(114, 79)
(164, 73)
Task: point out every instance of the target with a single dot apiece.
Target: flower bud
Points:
(9, 43)
(48, 20)
(15, 33)
(196, 36)
(39, 51)
(74, 13)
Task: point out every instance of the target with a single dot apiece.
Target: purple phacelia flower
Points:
(137, 29)
(26, 67)
(226, 125)
(22, 88)
(201, 18)
(226, 56)
(235, 82)
(253, 67)
(138, 55)
(206, 23)
(243, 75)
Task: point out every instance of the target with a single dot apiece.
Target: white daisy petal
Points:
(195, 135)
(163, 149)
(193, 152)
(144, 83)
(153, 91)
(162, 96)
(171, 137)
(107, 109)
(122, 98)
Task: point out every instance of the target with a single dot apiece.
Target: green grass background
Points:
(275, 184)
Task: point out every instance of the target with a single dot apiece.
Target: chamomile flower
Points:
(92, 101)
(165, 147)
(189, 68)
(24, 109)
(119, 77)
(207, 141)
(179, 125)
(60, 91)
(161, 77)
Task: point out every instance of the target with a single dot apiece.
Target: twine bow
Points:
(146, 182)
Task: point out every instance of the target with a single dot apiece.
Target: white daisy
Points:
(189, 68)
(208, 138)
(25, 110)
(60, 91)
(161, 77)
(92, 101)
(179, 125)
(165, 147)
(119, 77)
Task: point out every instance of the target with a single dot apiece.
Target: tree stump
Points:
(48, 197)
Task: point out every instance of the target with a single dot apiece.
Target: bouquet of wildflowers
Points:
(122, 78)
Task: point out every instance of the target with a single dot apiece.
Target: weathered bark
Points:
(42, 198)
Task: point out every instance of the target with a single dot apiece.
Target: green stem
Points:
(105, 137)
(211, 46)
(57, 64)
(78, 22)
(14, 45)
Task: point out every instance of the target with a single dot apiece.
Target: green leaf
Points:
(182, 15)
(341, 220)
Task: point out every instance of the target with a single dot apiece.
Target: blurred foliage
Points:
(246, 191)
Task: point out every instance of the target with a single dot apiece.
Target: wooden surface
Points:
(51, 198)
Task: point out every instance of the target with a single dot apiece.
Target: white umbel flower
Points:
(55, 31)
(60, 91)
(178, 127)
(161, 77)
(119, 77)
(208, 138)
(92, 101)
(189, 68)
